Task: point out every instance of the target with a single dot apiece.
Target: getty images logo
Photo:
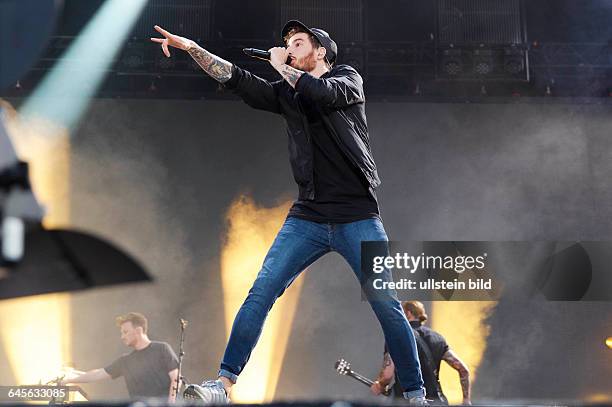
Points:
(410, 263)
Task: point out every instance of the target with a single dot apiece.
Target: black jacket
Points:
(339, 98)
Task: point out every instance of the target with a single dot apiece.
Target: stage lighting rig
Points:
(483, 62)
(452, 62)
(133, 57)
(18, 206)
(514, 60)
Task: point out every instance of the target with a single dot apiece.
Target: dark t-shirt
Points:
(436, 342)
(146, 370)
(342, 194)
(437, 346)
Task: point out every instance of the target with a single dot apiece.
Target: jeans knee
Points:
(388, 309)
(264, 292)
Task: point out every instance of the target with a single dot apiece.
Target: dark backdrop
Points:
(157, 177)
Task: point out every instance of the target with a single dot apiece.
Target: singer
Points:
(323, 105)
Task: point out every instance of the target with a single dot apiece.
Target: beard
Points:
(306, 64)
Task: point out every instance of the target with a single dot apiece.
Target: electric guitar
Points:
(344, 368)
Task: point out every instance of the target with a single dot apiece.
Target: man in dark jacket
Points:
(329, 150)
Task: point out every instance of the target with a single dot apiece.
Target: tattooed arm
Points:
(255, 91)
(464, 374)
(218, 68)
(385, 376)
(342, 89)
(290, 74)
(278, 59)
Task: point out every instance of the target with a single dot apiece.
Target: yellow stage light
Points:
(36, 331)
(250, 235)
(462, 324)
(598, 398)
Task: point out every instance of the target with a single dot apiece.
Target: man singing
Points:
(323, 105)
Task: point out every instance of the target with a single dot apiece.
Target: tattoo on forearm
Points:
(218, 68)
(464, 374)
(385, 375)
(290, 74)
(386, 360)
(465, 385)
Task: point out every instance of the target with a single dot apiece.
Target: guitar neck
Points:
(343, 368)
(361, 378)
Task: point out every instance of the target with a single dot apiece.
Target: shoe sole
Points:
(191, 393)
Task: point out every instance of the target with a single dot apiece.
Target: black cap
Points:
(331, 49)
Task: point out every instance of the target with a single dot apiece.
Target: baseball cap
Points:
(331, 49)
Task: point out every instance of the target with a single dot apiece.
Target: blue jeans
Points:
(298, 244)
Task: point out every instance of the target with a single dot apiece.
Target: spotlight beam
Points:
(65, 92)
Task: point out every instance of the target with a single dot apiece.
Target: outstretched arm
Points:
(255, 91)
(86, 377)
(218, 68)
(464, 374)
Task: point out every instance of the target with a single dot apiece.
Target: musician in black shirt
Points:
(150, 370)
(433, 349)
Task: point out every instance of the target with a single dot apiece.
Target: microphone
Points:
(261, 54)
(257, 53)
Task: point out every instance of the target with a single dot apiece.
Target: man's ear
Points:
(321, 52)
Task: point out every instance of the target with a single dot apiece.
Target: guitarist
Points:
(432, 348)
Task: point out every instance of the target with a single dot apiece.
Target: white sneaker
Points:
(417, 401)
(209, 392)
